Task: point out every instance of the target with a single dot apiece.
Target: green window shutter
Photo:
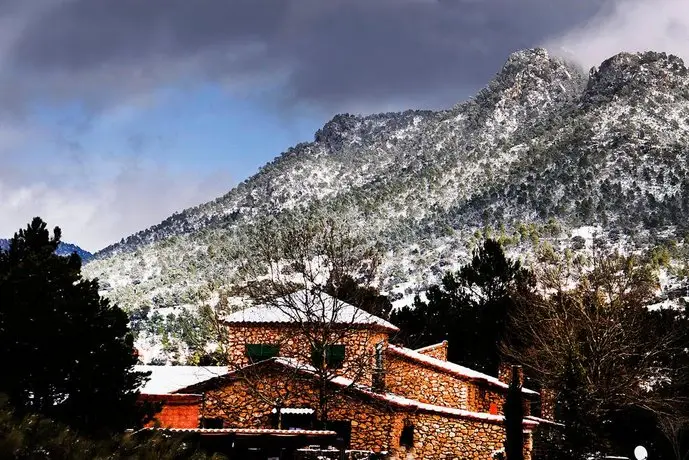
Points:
(270, 351)
(260, 351)
(316, 357)
(335, 355)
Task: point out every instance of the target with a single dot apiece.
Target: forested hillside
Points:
(546, 150)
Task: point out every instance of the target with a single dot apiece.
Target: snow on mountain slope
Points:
(542, 150)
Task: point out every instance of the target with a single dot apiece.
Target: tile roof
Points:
(167, 379)
(247, 431)
(303, 306)
(173, 398)
(452, 368)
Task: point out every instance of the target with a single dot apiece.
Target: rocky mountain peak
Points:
(637, 75)
(530, 83)
(537, 65)
(527, 57)
(336, 129)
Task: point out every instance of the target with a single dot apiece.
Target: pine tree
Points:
(469, 309)
(514, 419)
(65, 351)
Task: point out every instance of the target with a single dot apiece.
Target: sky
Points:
(115, 114)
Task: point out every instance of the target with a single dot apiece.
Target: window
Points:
(334, 356)
(294, 418)
(215, 422)
(407, 435)
(343, 428)
(260, 351)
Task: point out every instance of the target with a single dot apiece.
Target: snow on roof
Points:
(452, 368)
(543, 420)
(167, 379)
(245, 431)
(391, 398)
(303, 306)
(432, 347)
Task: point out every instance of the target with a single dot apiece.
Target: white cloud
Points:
(94, 217)
(629, 25)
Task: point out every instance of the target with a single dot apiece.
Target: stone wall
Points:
(548, 400)
(249, 404)
(437, 351)
(441, 437)
(412, 380)
(376, 425)
(486, 399)
(359, 346)
(505, 373)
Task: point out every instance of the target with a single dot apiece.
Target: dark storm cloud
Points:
(334, 55)
(329, 54)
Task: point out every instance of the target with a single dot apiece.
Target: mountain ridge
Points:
(544, 146)
(347, 128)
(63, 249)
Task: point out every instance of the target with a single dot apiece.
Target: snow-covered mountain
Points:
(64, 249)
(545, 150)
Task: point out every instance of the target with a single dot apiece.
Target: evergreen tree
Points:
(514, 419)
(34, 437)
(367, 298)
(580, 438)
(469, 309)
(66, 352)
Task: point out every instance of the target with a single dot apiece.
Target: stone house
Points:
(379, 397)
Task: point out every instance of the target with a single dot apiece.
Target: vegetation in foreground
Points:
(35, 437)
(579, 326)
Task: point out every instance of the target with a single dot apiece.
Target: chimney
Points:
(548, 397)
(504, 372)
(378, 380)
(507, 370)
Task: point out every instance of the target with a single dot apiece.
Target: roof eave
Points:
(391, 329)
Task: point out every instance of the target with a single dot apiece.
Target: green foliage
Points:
(469, 309)
(66, 352)
(659, 257)
(367, 298)
(34, 437)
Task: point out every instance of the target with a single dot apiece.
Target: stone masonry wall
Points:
(359, 346)
(412, 380)
(484, 399)
(437, 351)
(548, 399)
(376, 425)
(245, 404)
(439, 437)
